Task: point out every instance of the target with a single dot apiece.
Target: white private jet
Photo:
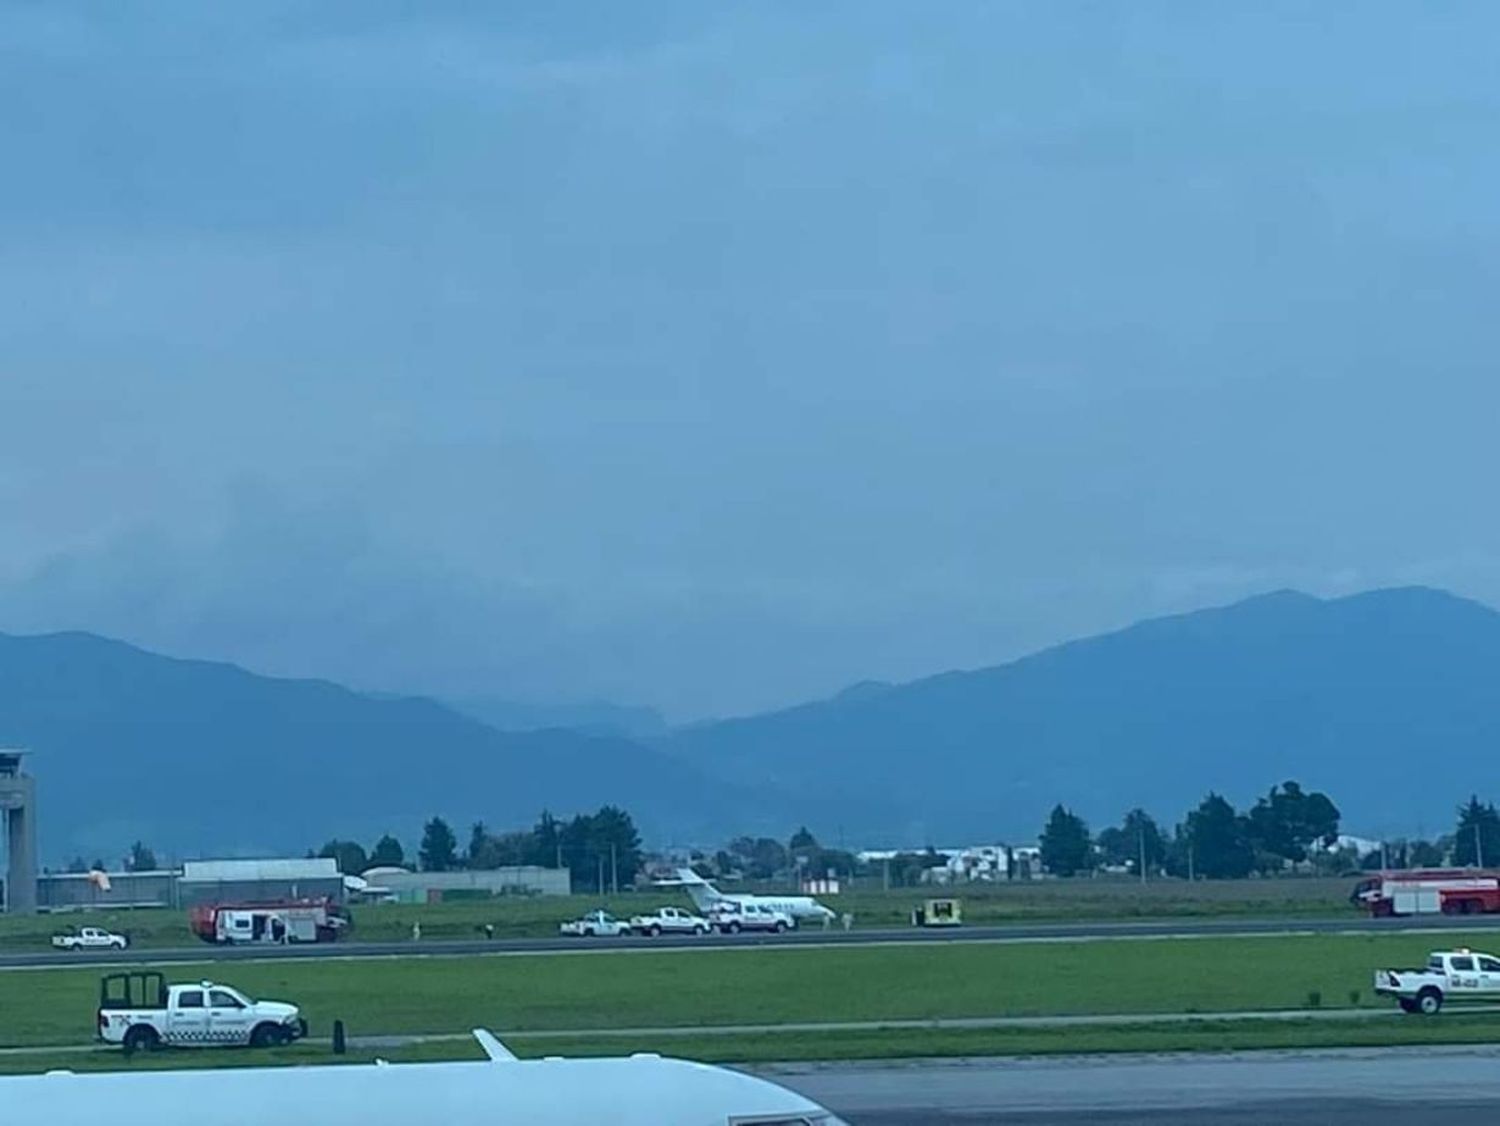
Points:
(635, 1091)
(801, 908)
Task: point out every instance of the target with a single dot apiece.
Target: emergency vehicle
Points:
(1429, 891)
(141, 1012)
(1450, 975)
(303, 920)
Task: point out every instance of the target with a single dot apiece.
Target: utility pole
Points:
(600, 884)
(1385, 858)
(614, 870)
(1140, 829)
(1478, 847)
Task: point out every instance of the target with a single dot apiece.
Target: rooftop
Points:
(226, 871)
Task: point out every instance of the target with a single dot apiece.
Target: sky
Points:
(717, 356)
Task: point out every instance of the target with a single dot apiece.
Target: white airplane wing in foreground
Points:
(633, 1091)
(497, 1051)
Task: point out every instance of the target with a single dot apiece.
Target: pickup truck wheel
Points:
(655, 931)
(1429, 1001)
(140, 1038)
(734, 927)
(700, 930)
(780, 927)
(267, 1036)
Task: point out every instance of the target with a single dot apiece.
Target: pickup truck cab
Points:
(732, 917)
(89, 938)
(1450, 975)
(669, 920)
(140, 1011)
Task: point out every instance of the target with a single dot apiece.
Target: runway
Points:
(11, 958)
(1401, 1086)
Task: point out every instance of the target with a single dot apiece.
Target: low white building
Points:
(433, 887)
(259, 881)
(971, 863)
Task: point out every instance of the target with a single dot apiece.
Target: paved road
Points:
(1408, 1087)
(1037, 932)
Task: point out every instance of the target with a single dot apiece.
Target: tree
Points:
(508, 850)
(349, 855)
(1476, 841)
(141, 859)
(1216, 837)
(1066, 847)
(908, 868)
(1138, 832)
(616, 837)
(802, 842)
(760, 858)
(1426, 854)
(76, 865)
(1287, 822)
(545, 850)
(387, 853)
(477, 837)
(439, 848)
(840, 862)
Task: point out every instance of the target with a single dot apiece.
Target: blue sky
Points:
(714, 356)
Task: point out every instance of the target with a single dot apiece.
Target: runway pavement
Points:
(1404, 1086)
(12, 958)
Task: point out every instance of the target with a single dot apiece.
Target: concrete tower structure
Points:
(18, 811)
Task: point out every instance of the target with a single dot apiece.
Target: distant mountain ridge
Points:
(203, 758)
(1352, 695)
(595, 717)
(1360, 696)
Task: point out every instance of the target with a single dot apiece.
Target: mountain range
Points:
(200, 758)
(1387, 700)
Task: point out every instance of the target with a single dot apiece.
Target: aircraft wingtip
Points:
(495, 1050)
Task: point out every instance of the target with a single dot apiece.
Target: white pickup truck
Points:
(90, 938)
(594, 925)
(732, 916)
(1450, 975)
(669, 920)
(140, 1011)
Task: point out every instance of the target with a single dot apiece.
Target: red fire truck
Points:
(1429, 891)
(291, 920)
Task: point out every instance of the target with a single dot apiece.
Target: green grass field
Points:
(765, 986)
(520, 916)
(1179, 1036)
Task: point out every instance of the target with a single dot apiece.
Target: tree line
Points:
(1214, 841)
(802, 857)
(601, 850)
(1288, 828)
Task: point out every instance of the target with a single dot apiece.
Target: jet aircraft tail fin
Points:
(704, 894)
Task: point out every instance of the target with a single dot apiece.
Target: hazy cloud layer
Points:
(713, 356)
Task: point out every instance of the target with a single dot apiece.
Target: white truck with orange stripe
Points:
(1450, 975)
